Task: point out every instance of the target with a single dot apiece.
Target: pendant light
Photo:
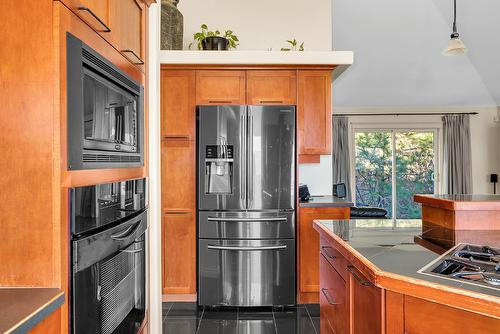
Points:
(455, 46)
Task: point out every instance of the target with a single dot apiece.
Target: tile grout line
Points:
(310, 319)
(201, 319)
(275, 325)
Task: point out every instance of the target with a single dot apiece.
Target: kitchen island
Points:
(371, 281)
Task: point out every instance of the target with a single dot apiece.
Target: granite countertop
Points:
(465, 198)
(391, 246)
(325, 201)
(460, 202)
(23, 308)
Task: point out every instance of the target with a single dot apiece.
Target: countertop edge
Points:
(29, 322)
(399, 283)
(326, 201)
(450, 204)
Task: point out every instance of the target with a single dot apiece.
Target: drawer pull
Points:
(329, 299)
(138, 61)
(352, 269)
(217, 101)
(176, 137)
(328, 255)
(101, 22)
(271, 101)
(249, 220)
(238, 248)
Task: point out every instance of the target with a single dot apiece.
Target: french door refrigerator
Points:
(246, 205)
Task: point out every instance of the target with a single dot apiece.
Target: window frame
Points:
(395, 124)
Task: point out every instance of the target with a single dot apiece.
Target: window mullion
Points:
(393, 178)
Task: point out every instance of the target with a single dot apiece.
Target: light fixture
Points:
(455, 46)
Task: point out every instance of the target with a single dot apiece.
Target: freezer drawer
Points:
(246, 272)
(246, 225)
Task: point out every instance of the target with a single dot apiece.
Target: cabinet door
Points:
(271, 87)
(365, 304)
(178, 175)
(127, 22)
(309, 246)
(178, 106)
(332, 299)
(314, 110)
(220, 87)
(179, 253)
(94, 12)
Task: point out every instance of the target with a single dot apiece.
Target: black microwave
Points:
(105, 112)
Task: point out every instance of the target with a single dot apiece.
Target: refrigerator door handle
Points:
(270, 219)
(239, 248)
(242, 169)
(251, 176)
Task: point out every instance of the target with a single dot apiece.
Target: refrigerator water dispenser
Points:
(219, 169)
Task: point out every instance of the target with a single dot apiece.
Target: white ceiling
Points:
(397, 48)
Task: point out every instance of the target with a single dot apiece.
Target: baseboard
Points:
(179, 298)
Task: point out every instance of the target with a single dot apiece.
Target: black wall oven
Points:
(108, 246)
(105, 111)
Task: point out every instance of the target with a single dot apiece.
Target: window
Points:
(391, 165)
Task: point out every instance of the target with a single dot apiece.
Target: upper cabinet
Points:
(120, 22)
(220, 87)
(127, 19)
(271, 87)
(314, 113)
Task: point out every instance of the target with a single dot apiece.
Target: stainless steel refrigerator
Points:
(246, 205)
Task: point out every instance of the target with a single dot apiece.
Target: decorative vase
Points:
(172, 26)
(215, 43)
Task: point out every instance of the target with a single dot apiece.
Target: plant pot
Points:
(215, 43)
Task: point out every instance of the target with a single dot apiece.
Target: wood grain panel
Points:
(394, 312)
(220, 87)
(271, 87)
(423, 317)
(314, 112)
(308, 247)
(178, 104)
(178, 164)
(179, 253)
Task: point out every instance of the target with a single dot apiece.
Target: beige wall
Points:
(262, 24)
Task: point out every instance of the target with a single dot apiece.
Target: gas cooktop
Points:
(471, 264)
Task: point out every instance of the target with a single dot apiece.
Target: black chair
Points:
(365, 212)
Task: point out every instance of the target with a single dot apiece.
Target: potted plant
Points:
(212, 40)
(294, 45)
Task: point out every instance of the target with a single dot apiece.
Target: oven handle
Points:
(246, 248)
(127, 232)
(270, 219)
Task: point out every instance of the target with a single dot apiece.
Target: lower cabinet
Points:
(179, 253)
(332, 300)
(308, 245)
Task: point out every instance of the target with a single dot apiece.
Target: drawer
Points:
(333, 256)
(332, 297)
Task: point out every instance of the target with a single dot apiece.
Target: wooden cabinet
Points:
(332, 299)
(271, 87)
(308, 244)
(220, 87)
(178, 105)
(179, 253)
(127, 20)
(314, 113)
(178, 175)
(121, 22)
(365, 304)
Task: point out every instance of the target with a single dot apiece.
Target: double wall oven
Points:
(108, 247)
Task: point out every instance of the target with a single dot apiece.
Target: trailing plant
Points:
(294, 46)
(199, 37)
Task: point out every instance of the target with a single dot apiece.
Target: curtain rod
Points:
(408, 114)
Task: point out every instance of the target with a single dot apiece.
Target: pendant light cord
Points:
(454, 16)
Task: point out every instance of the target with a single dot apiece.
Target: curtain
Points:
(457, 154)
(341, 161)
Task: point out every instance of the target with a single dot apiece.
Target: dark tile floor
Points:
(187, 318)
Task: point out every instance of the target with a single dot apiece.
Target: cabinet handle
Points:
(270, 101)
(176, 137)
(217, 101)
(101, 22)
(352, 269)
(139, 60)
(324, 248)
(329, 299)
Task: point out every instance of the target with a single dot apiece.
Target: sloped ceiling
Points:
(398, 62)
